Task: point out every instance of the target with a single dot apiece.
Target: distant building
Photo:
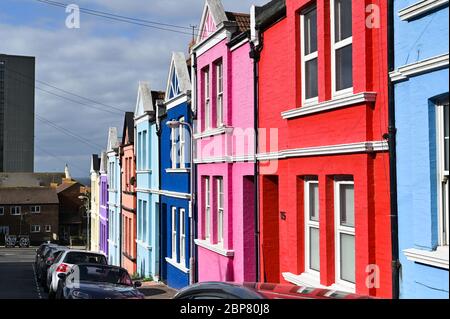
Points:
(29, 211)
(95, 204)
(72, 214)
(16, 113)
(30, 179)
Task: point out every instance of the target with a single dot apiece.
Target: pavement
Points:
(18, 278)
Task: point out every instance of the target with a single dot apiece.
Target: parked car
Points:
(46, 261)
(66, 261)
(94, 281)
(224, 290)
(41, 251)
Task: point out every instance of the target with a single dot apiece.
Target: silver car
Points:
(65, 262)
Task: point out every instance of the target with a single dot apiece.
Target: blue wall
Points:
(415, 107)
(176, 277)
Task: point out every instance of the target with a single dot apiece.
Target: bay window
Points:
(174, 233)
(207, 202)
(341, 46)
(345, 232)
(219, 96)
(182, 235)
(309, 57)
(443, 169)
(220, 210)
(312, 234)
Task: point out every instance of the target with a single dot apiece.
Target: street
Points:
(18, 279)
(17, 275)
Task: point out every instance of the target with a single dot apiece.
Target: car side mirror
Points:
(137, 284)
(62, 276)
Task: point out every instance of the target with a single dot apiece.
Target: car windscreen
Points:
(76, 258)
(104, 275)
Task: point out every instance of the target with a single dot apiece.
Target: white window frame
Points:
(174, 155)
(308, 225)
(182, 236)
(48, 228)
(219, 93)
(2, 211)
(182, 147)
(207, 101)
(220, 211)
(339, 229)
(144, 234)
(207, 208)
(174, 233)
(35, 209)
(16, 209)
(307, 58)
(35, 228)
(144, 150)
(334, 48)
(443, 178)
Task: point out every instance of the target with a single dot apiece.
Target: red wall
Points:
(280, 90)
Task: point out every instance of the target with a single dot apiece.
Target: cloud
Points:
(104, 61)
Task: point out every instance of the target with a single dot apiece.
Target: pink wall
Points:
(238, 205)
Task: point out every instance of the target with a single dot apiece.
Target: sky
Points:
(102, 61)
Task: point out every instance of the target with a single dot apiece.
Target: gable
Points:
(144, 103)
(213, 15)
(174, 87)
(179, 81)
(112, 139)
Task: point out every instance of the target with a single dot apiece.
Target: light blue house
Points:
(114, 191)
(421, 87)
(147, 184)
(175, 176)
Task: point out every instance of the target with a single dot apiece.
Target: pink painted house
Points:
(224, 133)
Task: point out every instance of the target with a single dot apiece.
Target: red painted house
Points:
(128, 165)
(324, 164)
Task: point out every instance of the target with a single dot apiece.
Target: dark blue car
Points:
(94, 281)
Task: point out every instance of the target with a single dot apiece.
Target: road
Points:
(17, 276)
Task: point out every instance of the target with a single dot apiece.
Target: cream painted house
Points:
(95, 203)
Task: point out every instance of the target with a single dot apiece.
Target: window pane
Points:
(344, 76)
(347, 205)
(446, 137)
(310, 28)
(314, 254)
(347, 243)
(343, 19)
(311, 89)
(314, 201)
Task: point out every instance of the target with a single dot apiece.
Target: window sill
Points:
(144, 171)
(335, 103)
(313, 281)
(178, 170)
(177, 265)
(437, 258)
(420, 8)
(143, 245)
(215, 248)
(213, 132)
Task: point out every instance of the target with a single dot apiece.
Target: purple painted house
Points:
(103, 204)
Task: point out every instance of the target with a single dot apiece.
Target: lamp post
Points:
(172, 125)
(87, 202)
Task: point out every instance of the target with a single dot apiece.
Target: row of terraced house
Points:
(303, 142)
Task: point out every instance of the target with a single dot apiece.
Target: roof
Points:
(242, 20)
(30, 179)
(103, 163)
(144, 102)
(269, 14)
(113, 141)
(65, 186)
(28, 196)
(128, 125)
(157, 95)
(95, 163)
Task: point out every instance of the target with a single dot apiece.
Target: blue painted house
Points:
(147, 181)
(175, 170)
(421, 86)
(114, 191)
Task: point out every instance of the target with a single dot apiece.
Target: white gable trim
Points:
(144, 98)
(217, 12)
(179, 66)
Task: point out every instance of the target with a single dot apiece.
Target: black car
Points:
(224, 290)
(41, 251)
(44, 263)
(94, 281)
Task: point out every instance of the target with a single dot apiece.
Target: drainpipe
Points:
(159, 134)
(193, 274)
(391, 137)
(255, 54)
